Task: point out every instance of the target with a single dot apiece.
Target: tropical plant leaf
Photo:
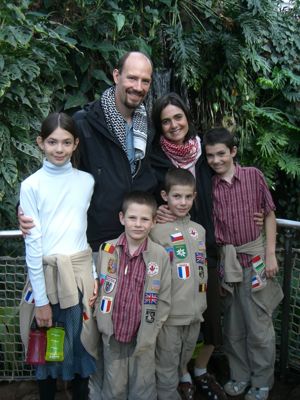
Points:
(9, 170)
(28, 149)
(76, 100)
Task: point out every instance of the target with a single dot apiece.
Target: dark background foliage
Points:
(235, 62)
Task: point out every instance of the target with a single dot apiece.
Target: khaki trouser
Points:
(128, 377)
(175, 347)
(249, 337)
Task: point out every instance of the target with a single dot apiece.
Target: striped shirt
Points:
(234, 205)
(128, 300)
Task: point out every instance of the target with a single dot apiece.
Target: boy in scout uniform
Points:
(184, 240)
(133, 302)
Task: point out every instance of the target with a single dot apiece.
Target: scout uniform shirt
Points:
(184, 240)
(156, 298)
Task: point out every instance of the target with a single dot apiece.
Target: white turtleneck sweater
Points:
(57, 198)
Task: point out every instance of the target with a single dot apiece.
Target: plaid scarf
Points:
(116, 123)
(182, 155)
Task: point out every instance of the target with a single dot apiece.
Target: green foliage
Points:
(236, 61)
(33, 67)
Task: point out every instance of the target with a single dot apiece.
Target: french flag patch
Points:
(29, 296)
(183, 271)
(106, 304)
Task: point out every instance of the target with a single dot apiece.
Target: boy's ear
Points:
(233, 151)
(195, 195)
(40, 142)
(164, 195)
(121, 218)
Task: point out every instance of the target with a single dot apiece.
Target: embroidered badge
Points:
(176, 237)
(259, 280)
(202, 287)
(193, 232)
(108, 247)
(180, 250)
(111, 266)
(183, 271)
(152, 268)
(170, 251)
(150, 298)
(102, 278)
(201, 245)
(109, 284)
(29, 296)
(201, 272)
(85, 317)
(106, 304)
(150, 316)
(155, 285)
(200, 259)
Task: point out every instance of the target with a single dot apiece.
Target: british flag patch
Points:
(151, 298)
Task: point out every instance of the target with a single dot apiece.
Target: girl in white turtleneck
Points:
(57, 198)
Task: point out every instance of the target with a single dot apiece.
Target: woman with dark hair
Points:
(177, 144)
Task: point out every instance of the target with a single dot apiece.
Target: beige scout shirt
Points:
(156, 297)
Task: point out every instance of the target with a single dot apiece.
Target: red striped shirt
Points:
(128, 300)
(235, 203)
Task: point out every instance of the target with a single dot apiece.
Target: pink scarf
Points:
(182, 155)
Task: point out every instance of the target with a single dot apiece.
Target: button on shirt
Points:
(234, 205)
(128, 300)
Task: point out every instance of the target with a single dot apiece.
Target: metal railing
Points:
(12, 278)
(290, 227)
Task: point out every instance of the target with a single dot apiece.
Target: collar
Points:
(236, 176)
(57, 170)
(122, 241)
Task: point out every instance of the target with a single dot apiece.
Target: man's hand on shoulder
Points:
(164, 215)
(26, 222)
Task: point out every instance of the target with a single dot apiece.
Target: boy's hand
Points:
(271, 265)
(95, 293)
(164, 215)
(26, 223)
(43, 316)
(259, 218)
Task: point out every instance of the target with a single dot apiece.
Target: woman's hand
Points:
(164, 215)
(43, 316)
(95, 293)
(259, 218)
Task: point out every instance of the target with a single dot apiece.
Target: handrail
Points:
(283, 223)
(288, 223)
(10, 234)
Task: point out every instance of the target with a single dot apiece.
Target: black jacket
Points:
(101, 155)
(202, 209)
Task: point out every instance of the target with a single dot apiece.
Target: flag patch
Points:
(150, 298)
(106, 304)
(183, 271)
(108, 247)
(176, 237)
(200, 258)
(29, 296)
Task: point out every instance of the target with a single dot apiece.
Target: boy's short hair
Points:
(219, 135)
(179, 176)
(139, 197)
